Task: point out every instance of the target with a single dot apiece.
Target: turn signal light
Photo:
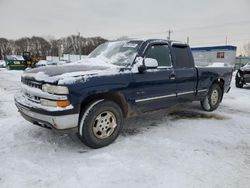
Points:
(45, 102)
(62, 103)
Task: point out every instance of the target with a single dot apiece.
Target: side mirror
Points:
(150, 63)
(141, 64)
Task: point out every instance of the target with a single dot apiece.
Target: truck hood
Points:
(245, 68)
(71, 72)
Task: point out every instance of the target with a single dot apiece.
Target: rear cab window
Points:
(183, 56)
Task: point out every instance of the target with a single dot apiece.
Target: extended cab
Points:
(118, 79)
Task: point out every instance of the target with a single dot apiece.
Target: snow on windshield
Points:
(118, 53)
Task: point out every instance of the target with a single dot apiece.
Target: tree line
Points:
(42, 47)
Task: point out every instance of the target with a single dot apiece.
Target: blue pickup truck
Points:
(119, 79)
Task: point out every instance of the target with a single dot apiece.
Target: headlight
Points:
(55, 89)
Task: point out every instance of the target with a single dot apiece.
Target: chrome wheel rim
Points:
(104, 125)
(214, 97)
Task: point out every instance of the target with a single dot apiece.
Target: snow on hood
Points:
(93, 62)
(72, 72)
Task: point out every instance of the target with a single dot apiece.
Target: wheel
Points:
(239, 81)
(213, 98)
(100, 123)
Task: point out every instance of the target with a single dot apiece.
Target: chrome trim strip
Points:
(202, 90)
(155, 98)
(167, 96)
(185, 93)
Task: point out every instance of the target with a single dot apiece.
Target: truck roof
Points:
(149, 40)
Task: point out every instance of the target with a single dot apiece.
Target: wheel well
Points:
(221, 83)
(116, 97)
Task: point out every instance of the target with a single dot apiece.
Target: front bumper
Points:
(57, 118)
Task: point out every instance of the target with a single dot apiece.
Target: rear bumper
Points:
(61, 119)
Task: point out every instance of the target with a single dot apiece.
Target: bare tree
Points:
(22, 45)
(74, 44)
(5, 47)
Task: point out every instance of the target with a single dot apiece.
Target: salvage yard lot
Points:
(183, 147)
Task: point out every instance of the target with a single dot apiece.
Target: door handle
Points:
(172, 76)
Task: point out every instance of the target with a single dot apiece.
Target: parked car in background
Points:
(119, 79)
(15, 62)
(2, 64)
(242, 76)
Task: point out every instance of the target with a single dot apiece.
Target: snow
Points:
(2, 64)
(70, 78)
(93, 62)
(177, 148)
(138, 63)
(15, 57)
(103, 69)
(42, 62)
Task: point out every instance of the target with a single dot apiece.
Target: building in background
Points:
(204, 56)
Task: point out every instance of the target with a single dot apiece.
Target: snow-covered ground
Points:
(184, 147)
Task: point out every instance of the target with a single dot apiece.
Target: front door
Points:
(155, 88)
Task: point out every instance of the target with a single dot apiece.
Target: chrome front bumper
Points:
(35, 115)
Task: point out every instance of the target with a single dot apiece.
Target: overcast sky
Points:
(205, 22)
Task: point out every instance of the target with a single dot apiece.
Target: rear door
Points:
(185, 73)
(155, 89)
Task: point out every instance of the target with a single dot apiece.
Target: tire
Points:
(100, 123)
(239, 82)
(213, 98)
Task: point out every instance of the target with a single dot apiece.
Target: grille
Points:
(32, 83)
(33, 98)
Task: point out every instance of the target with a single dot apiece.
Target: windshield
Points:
(121, 53)
(248, 64)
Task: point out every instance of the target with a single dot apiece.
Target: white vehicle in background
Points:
(219, 64)
(61, 62)
(43, 63)
(2, 64)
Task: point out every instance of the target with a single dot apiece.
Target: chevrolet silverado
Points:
(119, 79)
